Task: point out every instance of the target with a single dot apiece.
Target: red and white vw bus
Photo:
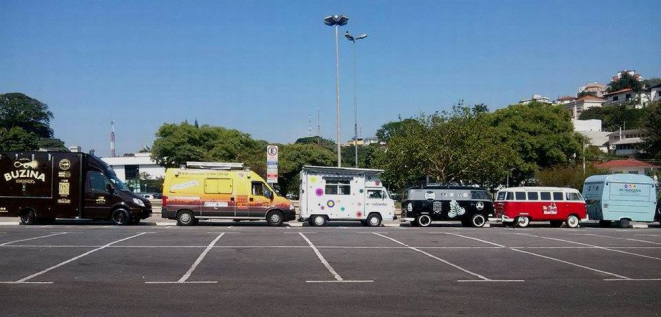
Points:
(520, 205)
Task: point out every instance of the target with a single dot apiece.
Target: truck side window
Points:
(557, 196)
(520, 195)
(510, 196)
(501, 196)
(374, 194)
(257, 189)
(532, 196)
(545, 195)
(338, 187)
(573, 197)
(97, 182)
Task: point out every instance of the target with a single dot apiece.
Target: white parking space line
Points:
(338, 278)
(301, 232)
(25, 279)
(480, 277)
(597, 247)
(184, 278)
(620, 277)
(476, 239)
(35, 238)
(620, 238)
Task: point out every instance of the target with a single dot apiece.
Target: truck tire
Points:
(423, 220)
(521, 222)
(120, 217)
(623, 223)
(478, 220)
(373, 220)
(318, 221)
(29, 217)
(185, 218)
(572, 221)
(275, 218)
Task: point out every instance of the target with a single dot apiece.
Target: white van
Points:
(335, 193)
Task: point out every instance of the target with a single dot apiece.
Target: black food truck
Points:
(38, 187)
(423, 204)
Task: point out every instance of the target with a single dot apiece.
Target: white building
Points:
(537, 98)
(628, 166)
(564, 100)
(625, 142)
(129, 168)
(591, 129)
(584, 103)
(597, 88)
(625, 96)
(655, 93)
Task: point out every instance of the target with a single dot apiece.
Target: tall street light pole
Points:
(353, 39)
(337, 21)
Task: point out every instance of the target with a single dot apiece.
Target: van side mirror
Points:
(109, 189)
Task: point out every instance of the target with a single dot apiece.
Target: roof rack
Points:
(215, 165)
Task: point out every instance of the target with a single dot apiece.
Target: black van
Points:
(41, 186)
(423, 204)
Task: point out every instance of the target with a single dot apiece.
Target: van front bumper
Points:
(289, 215)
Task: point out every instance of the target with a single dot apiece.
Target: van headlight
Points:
(138, 202)
(291, 207)
(409, 207)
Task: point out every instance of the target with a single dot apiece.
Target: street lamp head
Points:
(336, 20)
(349, 36)
(360, 37)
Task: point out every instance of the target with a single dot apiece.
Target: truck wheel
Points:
(28, 217)
(318, 221)
(120, 217)
(423, 220)
(521, 222)
(275, 218)
(374, 220)
(478, 220)
(185, 218)
(572, 221)
(556, 223)
(623, 223)
(604, 223)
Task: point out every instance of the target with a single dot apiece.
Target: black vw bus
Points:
(423, 204)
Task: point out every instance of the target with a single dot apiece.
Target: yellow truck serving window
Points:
(217, 186)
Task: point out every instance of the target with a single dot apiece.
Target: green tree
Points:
(652, 130)
(541, 134)
(293, 157)
(393, 127)
(566, 175)
(177, 144)
(25, 124)
(456, 146)
(615, 117)
(625, 81)
(651, 82)
(53, 144)
(325, 143)
(366, 155)
(586, 93)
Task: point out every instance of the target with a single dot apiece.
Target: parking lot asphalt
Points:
(251, 269)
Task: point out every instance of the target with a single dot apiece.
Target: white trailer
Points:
(335, 193)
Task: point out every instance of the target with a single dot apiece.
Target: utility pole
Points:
(337, 21)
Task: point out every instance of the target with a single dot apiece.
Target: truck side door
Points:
(259, 200)
(374, 202)
(218, 193)
(97, 198)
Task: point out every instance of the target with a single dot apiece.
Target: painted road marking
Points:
(25, 279)
(184, 278)
(597, 247)
(35, 238)
(338, 278)
(620, 238)
(481, 278)
(570, 263)
(476, 239)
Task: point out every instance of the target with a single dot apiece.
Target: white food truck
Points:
(335, 193)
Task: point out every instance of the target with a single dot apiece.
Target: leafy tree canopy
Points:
(651, 82)
(625, 81)
(614, 117)
(652, 129)
(293, 157)
(586, 93)
(392, 128)
(566, 175)
(325, 143)
(541, 134)
(25, 124)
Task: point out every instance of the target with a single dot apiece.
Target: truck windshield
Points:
(118, 183)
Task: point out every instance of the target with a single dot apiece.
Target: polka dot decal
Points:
(319, 192)
(330, 204)
(359, 214)
(313, 179)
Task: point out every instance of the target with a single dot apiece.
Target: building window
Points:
(615, 98)
(131, 172)
(628, 97)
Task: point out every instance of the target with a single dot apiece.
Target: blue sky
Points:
(264, 67)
